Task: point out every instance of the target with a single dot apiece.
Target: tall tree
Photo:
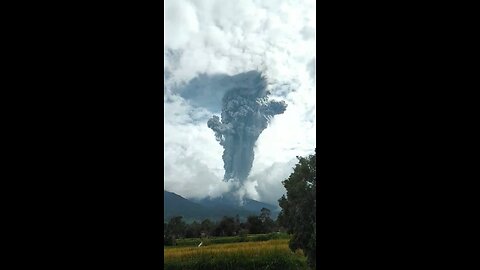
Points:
(267, 222)
(298, 213)
(193, 230)
(226, 227)
(237, 224)
(255, 225)
(175, 228)
(207, 227)
(264, 214)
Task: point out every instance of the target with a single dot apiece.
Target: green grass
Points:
(232, 239)
(271, 254)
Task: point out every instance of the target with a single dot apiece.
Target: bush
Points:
(243, 235)
(263, 237)
(206, 241)
(170, 241)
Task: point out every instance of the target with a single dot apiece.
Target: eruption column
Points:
(246, 112)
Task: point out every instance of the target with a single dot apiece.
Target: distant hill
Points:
(249, 205)
(176, 205)
(213, 209)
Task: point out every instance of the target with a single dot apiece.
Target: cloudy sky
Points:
(208, 37)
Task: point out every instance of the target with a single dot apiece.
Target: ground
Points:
(231, 254)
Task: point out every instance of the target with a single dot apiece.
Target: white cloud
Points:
(230, 37)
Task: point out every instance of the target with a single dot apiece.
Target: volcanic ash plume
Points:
(246, 112)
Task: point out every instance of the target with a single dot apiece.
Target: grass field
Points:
(271, 254)
(230, 239)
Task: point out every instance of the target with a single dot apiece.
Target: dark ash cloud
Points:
(246, 112)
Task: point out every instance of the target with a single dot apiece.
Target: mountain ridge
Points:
(211, 208)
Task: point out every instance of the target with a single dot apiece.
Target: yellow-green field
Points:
(272, 254)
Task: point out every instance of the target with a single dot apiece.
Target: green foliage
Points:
(170, 240)
(255, 225)
(177, 229)
(298, 213)
(267, 222)
(242, 237)
(193, 230)
(205, 241)
(207, 227)
(174, 230)
(226, 227)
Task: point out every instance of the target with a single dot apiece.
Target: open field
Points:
(230, 239)
(271, 254)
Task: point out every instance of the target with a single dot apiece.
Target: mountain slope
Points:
(175, 205)
(214, 209)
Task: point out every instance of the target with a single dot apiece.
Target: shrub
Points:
(243, 235)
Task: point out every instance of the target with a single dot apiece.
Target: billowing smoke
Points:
(246, 112)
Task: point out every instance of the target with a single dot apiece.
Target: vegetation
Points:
(272, 254)
(176, 229)
(298, 213)
(230, 239)
(257, 243)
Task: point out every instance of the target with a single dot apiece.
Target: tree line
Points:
(228, 226)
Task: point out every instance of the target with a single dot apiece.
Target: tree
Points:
(165, 233)
(267, 222)
(298, 213)
(255, 225)
(264, 214)
(175, 228)
(226, 227)
(193, 230)
(207, 227)
(237, 224)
